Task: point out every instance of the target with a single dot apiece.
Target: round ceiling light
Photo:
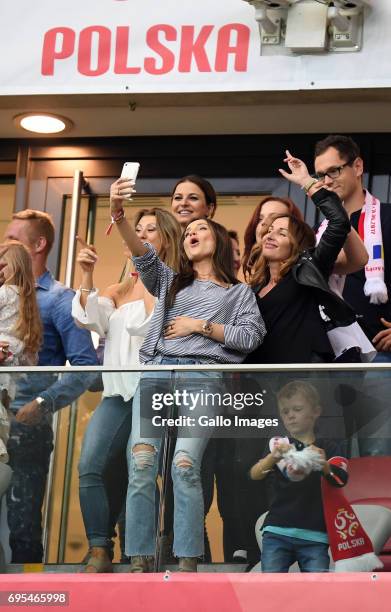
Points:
(43, 123)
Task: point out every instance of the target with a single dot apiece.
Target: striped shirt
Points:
(234, 307)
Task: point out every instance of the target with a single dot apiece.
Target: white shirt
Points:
(124, 329)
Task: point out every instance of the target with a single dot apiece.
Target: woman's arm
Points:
(338, 228)
(245, 334)
(119, 190)
(156, 276)
(353, 257)
(334, 237)
(86, 258)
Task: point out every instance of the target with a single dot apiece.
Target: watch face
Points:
(207, 327)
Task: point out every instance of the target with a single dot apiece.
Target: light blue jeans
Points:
(102, 459)
(141, 510)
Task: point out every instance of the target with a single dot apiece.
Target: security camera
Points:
(336, 19)
(272, 4)
(353, 3)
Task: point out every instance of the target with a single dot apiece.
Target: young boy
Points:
(294, 528)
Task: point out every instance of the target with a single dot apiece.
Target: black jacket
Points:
(314, 266)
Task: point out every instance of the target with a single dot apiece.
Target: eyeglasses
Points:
(333, 173)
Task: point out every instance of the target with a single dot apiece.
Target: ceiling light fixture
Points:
(43, 123)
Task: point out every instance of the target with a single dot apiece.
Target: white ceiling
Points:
(241, 113)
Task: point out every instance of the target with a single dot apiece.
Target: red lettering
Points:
(84, 59)
(121, 53)
(239, 49)
(194, 48)
(49, 52)
(167, 57)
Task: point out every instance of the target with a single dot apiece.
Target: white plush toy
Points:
(296, 464)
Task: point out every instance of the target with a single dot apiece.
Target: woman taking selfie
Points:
(206, 315)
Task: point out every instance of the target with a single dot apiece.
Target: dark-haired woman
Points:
(193, 197)
(203, 316)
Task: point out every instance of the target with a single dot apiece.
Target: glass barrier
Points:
(285, 460)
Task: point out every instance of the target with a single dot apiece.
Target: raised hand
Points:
(298, 170)
(87, 257)
(122, 189)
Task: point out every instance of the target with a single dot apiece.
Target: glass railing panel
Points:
(229, 416)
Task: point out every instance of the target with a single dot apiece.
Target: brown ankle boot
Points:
(187, 564)
(98, 561)
(141, 564)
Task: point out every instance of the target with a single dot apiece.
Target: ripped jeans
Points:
(141, 509)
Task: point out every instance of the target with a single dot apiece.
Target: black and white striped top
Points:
(235, 307)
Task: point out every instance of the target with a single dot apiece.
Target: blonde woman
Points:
(121, 314)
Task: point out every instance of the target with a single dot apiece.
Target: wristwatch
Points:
(207, 328)
(41, 403)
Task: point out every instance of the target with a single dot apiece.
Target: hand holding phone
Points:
(130, 172)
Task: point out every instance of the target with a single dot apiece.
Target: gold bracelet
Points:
(87, 290)
(308, 186)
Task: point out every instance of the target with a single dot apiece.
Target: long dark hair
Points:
(249, 234)
(222, 262)
(206, 188)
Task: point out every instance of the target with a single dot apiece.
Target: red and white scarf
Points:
(369, 229)
(350, 546)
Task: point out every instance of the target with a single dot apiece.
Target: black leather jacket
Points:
(314, 266)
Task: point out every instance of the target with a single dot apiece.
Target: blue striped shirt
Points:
(235, 307)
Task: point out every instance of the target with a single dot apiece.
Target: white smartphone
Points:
(130, 171)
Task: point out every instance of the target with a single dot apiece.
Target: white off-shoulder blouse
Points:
(124, 330)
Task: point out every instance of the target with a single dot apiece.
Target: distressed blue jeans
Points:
(141, 509)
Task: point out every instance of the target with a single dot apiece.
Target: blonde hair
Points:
(294, 387)
(170, 233)
(40, 224)
(28, 326)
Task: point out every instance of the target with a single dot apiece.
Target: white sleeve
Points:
(137, 322)
(96, 314)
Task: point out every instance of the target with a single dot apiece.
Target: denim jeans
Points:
(141, 510)
(102, 468)
(29, 448)
(280, 552)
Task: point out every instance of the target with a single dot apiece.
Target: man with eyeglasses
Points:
(339, 165)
